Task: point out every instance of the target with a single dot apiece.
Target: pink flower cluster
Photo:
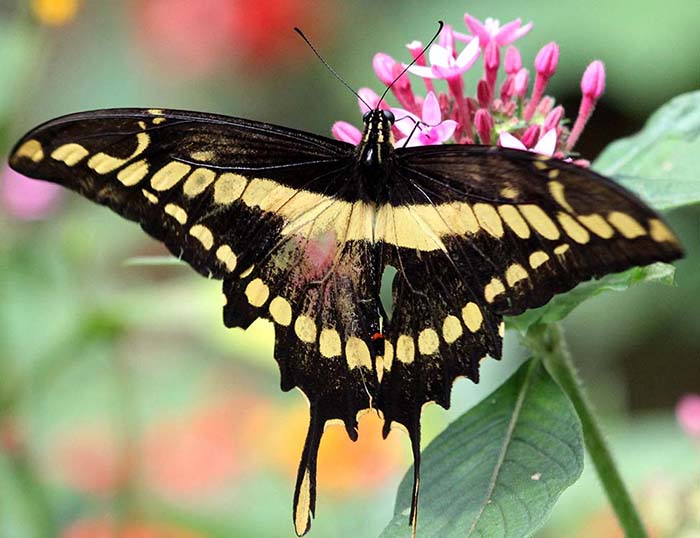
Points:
(510, 114)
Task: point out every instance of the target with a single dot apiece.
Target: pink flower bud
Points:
(507, 89)
(415, 48)
(593, 81)
(483, 121)
(545, 105)
(492, 56)
(483, 94)
(553, 118)
(384, 67)
(688, 414)
(521, 82)
(530, 136)
(513, 62)
(547, 59)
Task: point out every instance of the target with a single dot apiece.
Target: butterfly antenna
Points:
(418, 57)
(333, 71)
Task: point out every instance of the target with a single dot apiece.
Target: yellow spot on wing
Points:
(405, 349)
(488, 219)
(198, 181)
(539, 221)
(493, 289)
(472, 316)
(659, 232)
(573, 229)
(248, 271)
(133, 173)
(357, 353)
(388, 357)
(149, 196)
(538, 258)
(428, 341)
(556, 189)
(540, 164)
(169, 175)
(281, 311)
(561, 249)
(597, 224)
(510, 192)
(305, 329)
(515, 273)
(229, 188)
(155, 111)
(203, 234)
(227, 257)
(257, 292)
(104, 164)
(158, 121)
(511, 216)
(451, 329)
(329, 343)
(626, 225)
(176, 212)
(71, 154)
(203, 156)
(32, 150)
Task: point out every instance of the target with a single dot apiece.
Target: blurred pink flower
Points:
(25, 198)
(688, 414)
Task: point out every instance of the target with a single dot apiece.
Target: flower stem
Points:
(547, 341)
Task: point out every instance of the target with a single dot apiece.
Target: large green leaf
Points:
(662, 162)
(499, 468)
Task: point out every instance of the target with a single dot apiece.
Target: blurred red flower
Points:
(90, 460)
(200, 453)
(199, 38)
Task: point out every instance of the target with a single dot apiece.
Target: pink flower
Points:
(545, 146)
(433, 129)
(25, 198)
(492, 31)
(444, 65)
(688, 415)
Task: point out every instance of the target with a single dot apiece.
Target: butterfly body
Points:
(300, 228)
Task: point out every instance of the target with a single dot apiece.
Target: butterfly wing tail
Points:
(305, 490)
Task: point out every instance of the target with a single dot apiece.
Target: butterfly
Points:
(301, 228)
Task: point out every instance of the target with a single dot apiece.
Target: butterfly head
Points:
(377, 141)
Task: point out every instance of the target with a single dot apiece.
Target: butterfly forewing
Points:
(289, 222)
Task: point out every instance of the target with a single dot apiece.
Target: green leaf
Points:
(661, 162)
(500, 467)
(561, 305)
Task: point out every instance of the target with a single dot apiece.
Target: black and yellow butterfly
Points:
(301, 228)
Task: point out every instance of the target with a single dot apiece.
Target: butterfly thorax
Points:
(375, 154)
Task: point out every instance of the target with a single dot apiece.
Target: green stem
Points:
(547, 341)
